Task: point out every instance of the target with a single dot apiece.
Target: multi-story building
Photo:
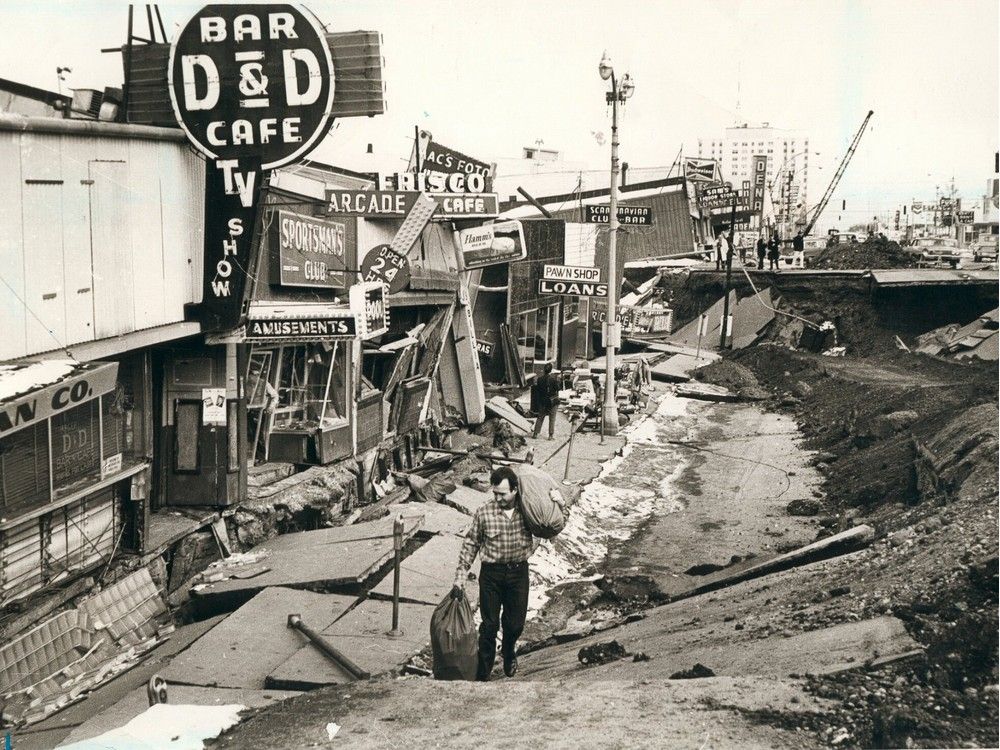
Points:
(788, 155)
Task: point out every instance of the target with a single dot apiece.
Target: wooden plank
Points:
(500, 407)
(244, 648)
(838, 544)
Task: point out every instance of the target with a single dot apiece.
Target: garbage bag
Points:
(454, 640)
(542, 515)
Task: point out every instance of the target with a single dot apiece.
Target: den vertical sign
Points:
(252, 87)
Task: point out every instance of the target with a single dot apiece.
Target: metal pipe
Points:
(296, 622)
(397, 547)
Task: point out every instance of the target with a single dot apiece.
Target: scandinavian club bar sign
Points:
(252, 87)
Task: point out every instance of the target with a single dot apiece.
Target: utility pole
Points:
(620, 91)
(729, 270)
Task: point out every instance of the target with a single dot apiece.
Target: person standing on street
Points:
(502, 540)
(721, 251)
(798, 251)
(743, 251)
(545, 401)
(773, 253)
(761, 252)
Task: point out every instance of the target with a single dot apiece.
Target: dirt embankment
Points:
(909, 445)
(873, 253)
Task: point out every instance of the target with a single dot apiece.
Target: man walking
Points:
(798, 251)
(773, 253)
(504, 544)
(545, 401)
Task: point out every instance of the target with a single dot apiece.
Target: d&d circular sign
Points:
(252, 81)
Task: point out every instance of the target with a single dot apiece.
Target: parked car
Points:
(985, 250)
(939, 251)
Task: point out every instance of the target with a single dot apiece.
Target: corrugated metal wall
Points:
(98, 237)
(69, 539)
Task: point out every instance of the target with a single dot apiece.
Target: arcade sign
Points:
(252, 81)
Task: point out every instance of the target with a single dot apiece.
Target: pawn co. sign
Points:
(252, 86)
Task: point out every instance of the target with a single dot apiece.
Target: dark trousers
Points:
(760, 261)
(540, 419)
(501, 585)
(774, 264)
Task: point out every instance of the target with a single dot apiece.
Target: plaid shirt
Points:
(495, 538)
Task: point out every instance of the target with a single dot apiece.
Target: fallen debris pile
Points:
(873, 253)
(62, 659)
(734, 377)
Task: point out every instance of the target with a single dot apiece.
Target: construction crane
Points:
(836, 177)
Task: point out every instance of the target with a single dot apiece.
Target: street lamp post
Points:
(620, 91)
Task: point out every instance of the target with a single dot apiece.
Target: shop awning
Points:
(33, 391)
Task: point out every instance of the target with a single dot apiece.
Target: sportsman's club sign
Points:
(252, 87)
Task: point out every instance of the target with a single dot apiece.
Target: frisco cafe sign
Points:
(252, 87)
(307, 251)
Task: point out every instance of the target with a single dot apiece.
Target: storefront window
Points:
(524, 331)
(24, 468)
(76, 453)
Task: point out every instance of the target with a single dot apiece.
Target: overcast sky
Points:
(490, 77)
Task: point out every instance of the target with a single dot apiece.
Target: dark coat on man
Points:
(544, 393)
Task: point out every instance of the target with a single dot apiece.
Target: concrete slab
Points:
(51, 732)
(751, 316)
(706, 392)
(677, 368)
(436, 518)
(361, 636)
(466, 499)
(687, 335)
(136, 702)
(242, 650)
(338, 558)
(427, 575)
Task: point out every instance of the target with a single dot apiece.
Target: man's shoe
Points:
(510, 666)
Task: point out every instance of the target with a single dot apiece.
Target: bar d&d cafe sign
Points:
(252, 87)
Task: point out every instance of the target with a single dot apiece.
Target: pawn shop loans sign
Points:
(252, 86)
(252, 81)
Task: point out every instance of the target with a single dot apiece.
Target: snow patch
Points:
(167, 725)
(16, 380)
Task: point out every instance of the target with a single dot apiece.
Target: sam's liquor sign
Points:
(252, 86)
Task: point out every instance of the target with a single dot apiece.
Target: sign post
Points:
(252, 88)
(725, 291)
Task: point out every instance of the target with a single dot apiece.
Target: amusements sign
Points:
(252, 87)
